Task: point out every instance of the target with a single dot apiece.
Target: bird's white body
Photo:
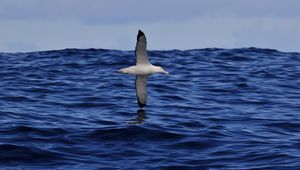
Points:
(142, 69)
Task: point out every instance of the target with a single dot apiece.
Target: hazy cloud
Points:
(115, 11)
(55, 24)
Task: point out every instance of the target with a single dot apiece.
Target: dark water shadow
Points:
(139, 119)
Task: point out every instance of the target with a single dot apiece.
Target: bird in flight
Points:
(142, 69)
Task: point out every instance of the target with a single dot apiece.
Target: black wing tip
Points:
(141, 105)
(140, 33)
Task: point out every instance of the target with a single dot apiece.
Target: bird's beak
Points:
(167, 73)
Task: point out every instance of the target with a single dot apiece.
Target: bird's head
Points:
(161, 70)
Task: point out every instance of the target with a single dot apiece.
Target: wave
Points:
(69, 108)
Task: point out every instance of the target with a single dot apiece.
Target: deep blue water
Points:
(219, 109)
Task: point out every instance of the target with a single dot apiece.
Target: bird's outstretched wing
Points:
(141, 49)
(141, 89)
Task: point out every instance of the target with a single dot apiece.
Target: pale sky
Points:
(35, 25)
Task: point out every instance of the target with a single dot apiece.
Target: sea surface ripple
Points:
(218, 109)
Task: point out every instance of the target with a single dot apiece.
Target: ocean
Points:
(218, 109)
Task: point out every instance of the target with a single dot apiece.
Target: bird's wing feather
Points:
(141, 49)
(141, 89)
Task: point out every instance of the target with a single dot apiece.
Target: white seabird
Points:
(142, 69)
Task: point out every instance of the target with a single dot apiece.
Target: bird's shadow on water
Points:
(139, 119)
